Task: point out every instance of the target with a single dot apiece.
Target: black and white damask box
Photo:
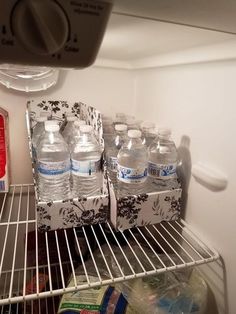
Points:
(151, 208)
(72, 212)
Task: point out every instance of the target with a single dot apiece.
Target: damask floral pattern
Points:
(145, 209)
(73, 212)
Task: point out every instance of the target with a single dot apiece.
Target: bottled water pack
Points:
(162, 158)
(112, 150)
(86, 161)
(132, 165)
(53, 165)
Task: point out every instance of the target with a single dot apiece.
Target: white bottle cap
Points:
(148, 125)
(41, 119)
(86, 128)
(134, 133)
(164, 131)
(71, 118)
(121, 127)
(49, 127)
(79, 123)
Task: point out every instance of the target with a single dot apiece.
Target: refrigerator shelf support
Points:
(99, 251)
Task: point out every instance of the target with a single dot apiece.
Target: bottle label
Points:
(132, 175)
(112, 163)
(163, 171)
(85, 168)
(53, 168)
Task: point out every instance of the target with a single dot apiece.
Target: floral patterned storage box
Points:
(145, 209)
(77, 211)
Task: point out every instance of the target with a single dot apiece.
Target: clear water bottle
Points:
(112, 151)
(75, 133)
(108, 130)
(120, 118)
(86, 164)
(37, 133)
(132, 165)
(69, 128)
(148, 132)
(162, 158)
(53, 165)
(133, 124)
(38, 130)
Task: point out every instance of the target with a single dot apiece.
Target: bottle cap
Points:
(164, 131)
(41, 119)
(51, 127)
(134, 133)
(148, 125)
(120, 115)
(86, 128)
(71, 118)
(121, 127)
(79, 123)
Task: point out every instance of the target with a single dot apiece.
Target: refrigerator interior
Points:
(177, 76)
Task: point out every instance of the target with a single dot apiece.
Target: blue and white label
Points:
(162, 171)
(85, 168)
(131, 175)
(51, 168)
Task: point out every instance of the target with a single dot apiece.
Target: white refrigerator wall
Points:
(194, 100)
(199, 101)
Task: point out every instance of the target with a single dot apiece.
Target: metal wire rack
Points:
(91, 251)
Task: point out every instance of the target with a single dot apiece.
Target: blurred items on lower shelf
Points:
(36, 265)
(182, 291)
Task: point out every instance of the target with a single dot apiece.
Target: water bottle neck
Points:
(121, 133)
(87, 136)
(52, 136)
(164, 137)
(135, 142)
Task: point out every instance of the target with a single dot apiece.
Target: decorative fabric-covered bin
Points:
(74, 212)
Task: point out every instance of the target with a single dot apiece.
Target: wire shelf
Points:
(91, 251)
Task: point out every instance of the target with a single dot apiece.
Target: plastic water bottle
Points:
(86, 164)
(120, 118)
(75, 133)
(38, 131)
(162, 158)
(132, 165)
(113, 149)
(53, 165)
(133, 124)
(108, 130)
(148, 132)
(69, 128)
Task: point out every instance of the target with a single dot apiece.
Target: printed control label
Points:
(52, 168)
(132, 175)
(163, 171)
(85, 168)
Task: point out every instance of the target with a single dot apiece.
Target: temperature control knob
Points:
(41, 26)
